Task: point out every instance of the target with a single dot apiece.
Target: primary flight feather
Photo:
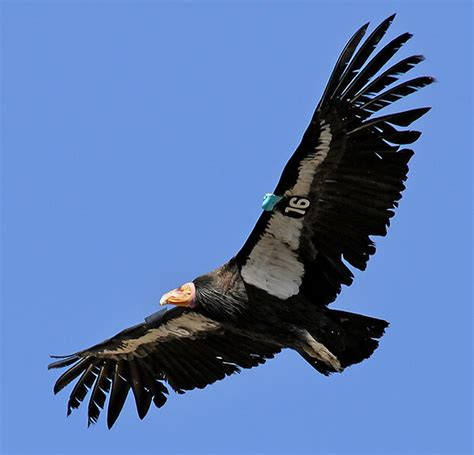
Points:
(338, 189)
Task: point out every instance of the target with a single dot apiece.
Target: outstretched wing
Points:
(179, 347)
(343, 181)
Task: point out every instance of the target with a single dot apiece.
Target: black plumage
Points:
(339, 188)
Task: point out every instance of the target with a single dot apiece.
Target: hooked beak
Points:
(182, 296)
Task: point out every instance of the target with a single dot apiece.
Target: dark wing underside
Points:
(178, 347)
(343, 181)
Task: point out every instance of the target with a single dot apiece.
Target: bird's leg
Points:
(318, 351)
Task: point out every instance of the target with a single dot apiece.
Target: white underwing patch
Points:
(185, 326)
(273, 264)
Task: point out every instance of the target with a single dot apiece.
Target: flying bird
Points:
(339, 188)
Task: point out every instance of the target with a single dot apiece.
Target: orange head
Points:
(183, 296)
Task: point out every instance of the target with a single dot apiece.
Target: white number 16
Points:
(297, 205)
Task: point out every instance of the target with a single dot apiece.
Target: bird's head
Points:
(184, 296)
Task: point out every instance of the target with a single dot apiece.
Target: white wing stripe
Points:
(273, 264)
(308, 165)
(184, 326)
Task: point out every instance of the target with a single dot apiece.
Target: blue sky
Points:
(138, 140)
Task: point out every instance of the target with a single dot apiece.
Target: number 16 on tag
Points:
(297, 207)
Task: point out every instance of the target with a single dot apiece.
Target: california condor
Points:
(337, 190)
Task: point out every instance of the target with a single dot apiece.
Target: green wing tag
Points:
(269, 201)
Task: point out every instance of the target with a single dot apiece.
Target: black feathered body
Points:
(338, 190)
(224, 296)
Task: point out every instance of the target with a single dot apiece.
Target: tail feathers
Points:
(349, 337)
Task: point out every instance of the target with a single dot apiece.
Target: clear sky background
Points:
(138, 140)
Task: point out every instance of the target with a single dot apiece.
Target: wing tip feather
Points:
(64, 362)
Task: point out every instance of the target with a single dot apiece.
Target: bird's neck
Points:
(221, 295)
